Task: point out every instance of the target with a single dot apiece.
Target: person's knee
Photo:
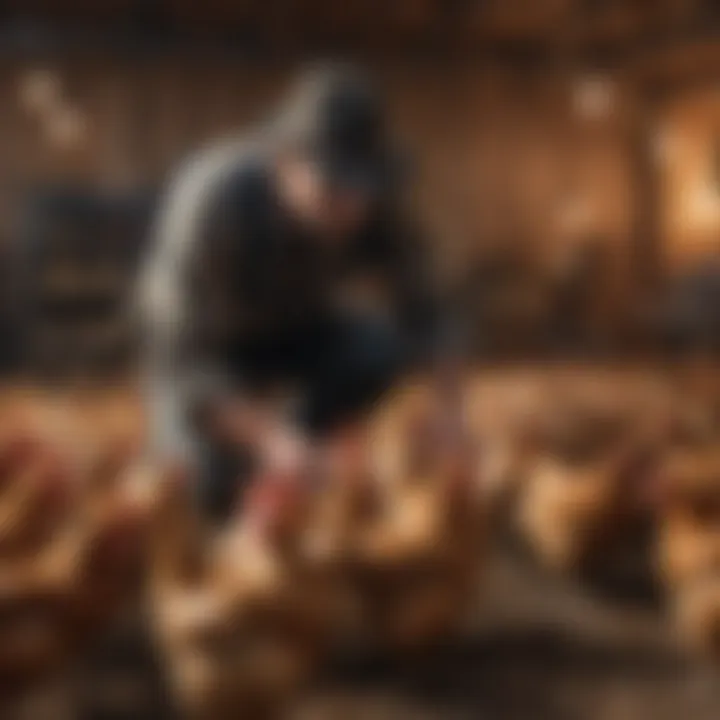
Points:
(360, 369)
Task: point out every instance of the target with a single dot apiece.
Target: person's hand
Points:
(280, 449)
(239, 422)
(284, 450)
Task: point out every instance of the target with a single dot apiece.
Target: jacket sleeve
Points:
(182, 378)
(423, 311)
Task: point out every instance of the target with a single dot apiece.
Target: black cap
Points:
(336, 116)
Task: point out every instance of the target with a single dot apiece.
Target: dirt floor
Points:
(539, 648)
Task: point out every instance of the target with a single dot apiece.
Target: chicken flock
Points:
(381, 551)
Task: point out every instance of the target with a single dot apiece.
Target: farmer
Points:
(247, 287)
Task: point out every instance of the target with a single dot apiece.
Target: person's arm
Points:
(190, 313)
(184, 381)
(431, 329)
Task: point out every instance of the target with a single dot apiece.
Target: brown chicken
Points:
(241, 617)
(84, 420)
(586, 473)
(689, 543)
(68, 556)
(413, 551)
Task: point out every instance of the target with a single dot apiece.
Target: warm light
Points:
(65, 128)
(665, 146)
(39, 90)
(702, 207)
(575, 215)
(594, 97)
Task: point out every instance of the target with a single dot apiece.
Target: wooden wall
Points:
(503, 154)
(688, 158)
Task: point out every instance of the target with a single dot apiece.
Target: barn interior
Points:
(565, 163)
(558, 145)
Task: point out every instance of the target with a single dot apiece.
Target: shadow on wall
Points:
(73, 254)
(72, 259)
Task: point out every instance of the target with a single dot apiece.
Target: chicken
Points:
(586, 474)
(115, 418)
(85, 421)
(695, 422)
(689, 543)
(415, 557)
(349, 502)
(67, 556)
(241, 617)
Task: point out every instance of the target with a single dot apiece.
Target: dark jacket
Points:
(226, 265)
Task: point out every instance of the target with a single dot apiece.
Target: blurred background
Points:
(566, 163)
(566, 152)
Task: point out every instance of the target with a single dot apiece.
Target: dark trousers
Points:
(340, 366)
